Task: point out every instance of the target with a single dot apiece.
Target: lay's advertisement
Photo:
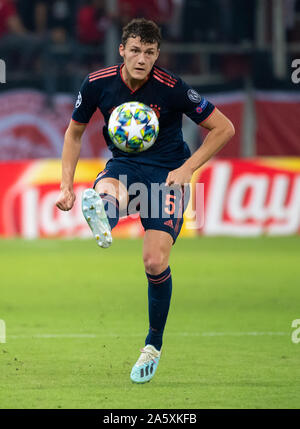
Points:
(254, 197)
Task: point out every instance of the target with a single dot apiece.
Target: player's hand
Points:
(66, 199)
(179, 177)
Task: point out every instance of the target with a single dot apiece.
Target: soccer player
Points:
(168, 162)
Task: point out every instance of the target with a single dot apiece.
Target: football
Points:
(133, 127)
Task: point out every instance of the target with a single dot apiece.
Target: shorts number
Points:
(170, 204)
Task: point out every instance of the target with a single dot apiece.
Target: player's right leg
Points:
(101, 207)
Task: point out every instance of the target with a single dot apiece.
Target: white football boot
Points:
(94, 213)
(145, 367)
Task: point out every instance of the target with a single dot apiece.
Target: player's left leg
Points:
(156, 253)
(157, 248)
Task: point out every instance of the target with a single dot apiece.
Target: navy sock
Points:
(111, 206)
(159, 297)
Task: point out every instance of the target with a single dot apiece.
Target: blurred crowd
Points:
(87, 21)
(28, 27)
(181, 20)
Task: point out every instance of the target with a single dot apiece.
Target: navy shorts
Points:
(160, 207)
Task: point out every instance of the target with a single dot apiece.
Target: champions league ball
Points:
(133, 127)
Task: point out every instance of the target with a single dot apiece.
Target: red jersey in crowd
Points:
(157, 10)
(7, 9)
(92, 24)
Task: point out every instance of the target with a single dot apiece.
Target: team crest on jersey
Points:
(79, 100)
(156, 109)
(194, 96)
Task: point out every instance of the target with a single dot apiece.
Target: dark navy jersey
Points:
(164, 92)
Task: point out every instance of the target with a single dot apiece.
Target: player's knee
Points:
(116, 189)
(154, 263)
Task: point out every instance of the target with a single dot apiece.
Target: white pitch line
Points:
(180, 334)
(241, 334)
(54, 336)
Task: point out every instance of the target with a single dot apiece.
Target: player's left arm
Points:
(221, 130)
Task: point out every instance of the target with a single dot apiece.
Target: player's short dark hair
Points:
(147, 30)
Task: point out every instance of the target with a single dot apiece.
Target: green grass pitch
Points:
(76, 317)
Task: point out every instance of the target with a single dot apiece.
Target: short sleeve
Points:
(86, 103)
(187, 100)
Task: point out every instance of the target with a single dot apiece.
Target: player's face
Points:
(139, 58)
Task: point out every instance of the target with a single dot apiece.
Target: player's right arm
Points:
(85, 106)
(70, 156)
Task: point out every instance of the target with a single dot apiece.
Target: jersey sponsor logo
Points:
(79, 100)
(194, 96)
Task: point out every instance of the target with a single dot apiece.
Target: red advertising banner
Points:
(239, 198)
(277, 123)
(251, 198)
(31, 127)
(28, 192)
(232, 106)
